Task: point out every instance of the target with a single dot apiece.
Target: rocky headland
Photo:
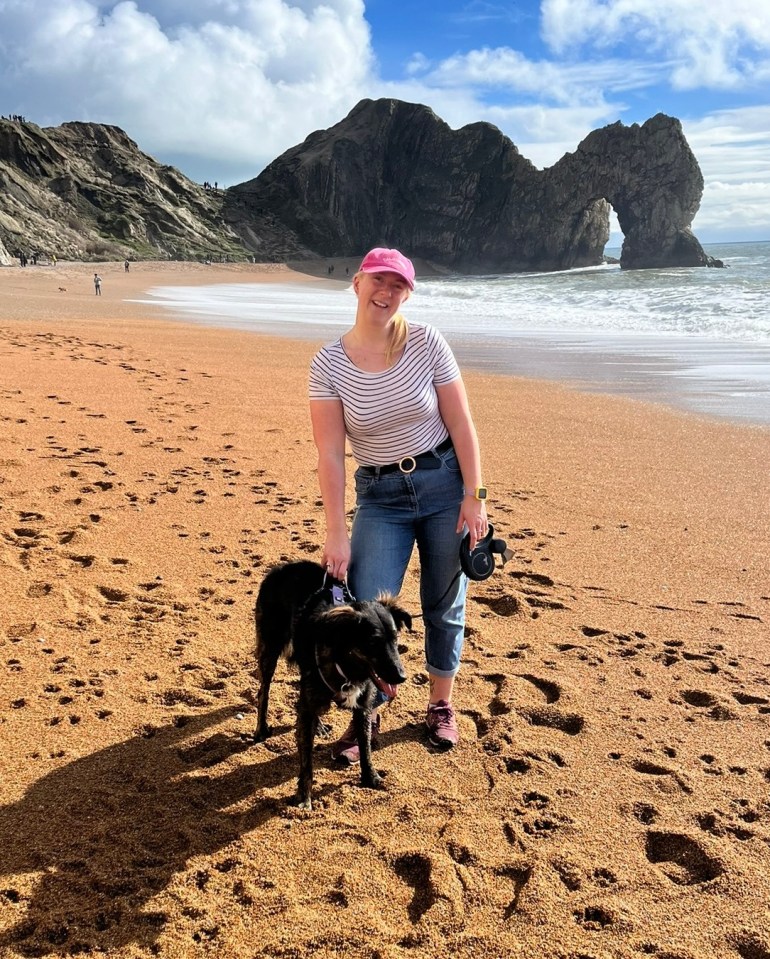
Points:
(85, 191)
(390, 173)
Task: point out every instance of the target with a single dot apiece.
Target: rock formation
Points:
(393, 173)
(390, 173)
(85, 191)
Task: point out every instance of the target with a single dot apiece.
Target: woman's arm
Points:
(456, 414)
(329, 435)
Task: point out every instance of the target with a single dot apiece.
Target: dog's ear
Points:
(400, 616)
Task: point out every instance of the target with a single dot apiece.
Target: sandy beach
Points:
(610, 797)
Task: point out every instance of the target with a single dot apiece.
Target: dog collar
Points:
(339, 694)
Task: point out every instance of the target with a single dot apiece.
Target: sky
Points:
(219, 88)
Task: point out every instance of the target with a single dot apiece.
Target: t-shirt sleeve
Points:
(445, 368)
(321, 383)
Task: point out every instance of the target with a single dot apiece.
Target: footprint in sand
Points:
(714, 823)
(38, 590)
(505, 605)
(569, 723)
(701, 699)
(646, 813)
(414, 869)
(594, 918)
(112, 595)
(752, 945)
(547, 714)
(698, 698)
(509, 694)
(747, 699)
(681, 858)
(81, 559)
(663, 774)
(24, 537)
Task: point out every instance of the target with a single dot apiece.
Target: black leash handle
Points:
(341, 595)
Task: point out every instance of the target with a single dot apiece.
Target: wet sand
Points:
(609, 797)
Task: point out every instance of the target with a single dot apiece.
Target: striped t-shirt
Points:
(394, 413)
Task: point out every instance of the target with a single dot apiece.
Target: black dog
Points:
(344, 651)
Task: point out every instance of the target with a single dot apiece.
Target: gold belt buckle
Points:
(407, 469)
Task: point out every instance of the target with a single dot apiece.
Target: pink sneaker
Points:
(345, 749)
(442, 725)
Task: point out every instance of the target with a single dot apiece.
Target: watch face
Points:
(481, 492)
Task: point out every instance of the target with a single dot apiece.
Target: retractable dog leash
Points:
(478, 563)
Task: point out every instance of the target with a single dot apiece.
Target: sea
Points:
(697, 339)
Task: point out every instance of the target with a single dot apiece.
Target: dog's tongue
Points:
(387, 689)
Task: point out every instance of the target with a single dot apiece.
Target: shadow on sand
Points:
(108, 832)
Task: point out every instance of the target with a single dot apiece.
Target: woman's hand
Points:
(473, 515)
(336, 555)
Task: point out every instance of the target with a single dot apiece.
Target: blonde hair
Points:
(398, 334)
(398, 337)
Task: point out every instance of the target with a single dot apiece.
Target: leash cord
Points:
(441, 599)
(341, 595)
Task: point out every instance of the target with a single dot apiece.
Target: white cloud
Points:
(483, 11)
(505, 69)
(733, 150)
(239, 79)
(713, 44)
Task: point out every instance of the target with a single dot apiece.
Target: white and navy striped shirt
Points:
(394, 413)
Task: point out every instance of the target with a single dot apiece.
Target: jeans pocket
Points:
(363, 483)
(450, 461)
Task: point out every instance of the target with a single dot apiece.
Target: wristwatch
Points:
(480, 492)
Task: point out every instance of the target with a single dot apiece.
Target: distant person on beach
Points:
(126, 266)
(394, 390)
(97, 284)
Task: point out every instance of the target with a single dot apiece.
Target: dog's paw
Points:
(306, 803)
(262, 734)
(375, 781)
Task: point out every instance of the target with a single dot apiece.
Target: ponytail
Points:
(398, 338)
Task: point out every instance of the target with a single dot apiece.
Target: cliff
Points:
(86, 191)
(393, 173)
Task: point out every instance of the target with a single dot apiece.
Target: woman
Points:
(394, 390)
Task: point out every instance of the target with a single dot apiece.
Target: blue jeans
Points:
(395, 511)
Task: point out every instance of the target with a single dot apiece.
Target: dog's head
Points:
(363, 639)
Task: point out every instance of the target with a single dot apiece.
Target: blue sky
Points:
(219, 88)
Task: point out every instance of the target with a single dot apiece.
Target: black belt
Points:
(426, 461)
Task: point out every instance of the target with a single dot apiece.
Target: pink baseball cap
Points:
(382, 260)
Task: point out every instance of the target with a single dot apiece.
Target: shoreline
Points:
(614, 678)
(727, 380)
(712, 379)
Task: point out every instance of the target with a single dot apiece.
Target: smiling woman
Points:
(393, 389)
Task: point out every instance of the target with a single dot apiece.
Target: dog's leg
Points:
(306, 720)
(268, 660)
(362, 723)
